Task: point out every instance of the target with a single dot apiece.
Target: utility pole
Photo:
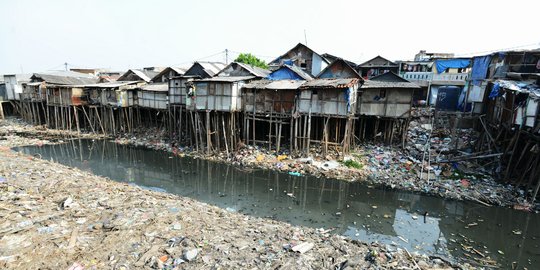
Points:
(226, 56)
(66, 64)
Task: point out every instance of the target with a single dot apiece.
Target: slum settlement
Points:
(439, 109)
(464, 128)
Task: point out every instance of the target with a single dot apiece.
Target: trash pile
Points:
(423, 166)
(57, 217)
(15, 132)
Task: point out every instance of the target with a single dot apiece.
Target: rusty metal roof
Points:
(111, 84)
(331, 83)
(275, 85)
(63, 80)
(227, 79)
(382, 84)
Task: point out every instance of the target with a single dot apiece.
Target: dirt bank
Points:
(56, 217)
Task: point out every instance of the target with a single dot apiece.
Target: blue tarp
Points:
(444, 64)
(283, 73)
(480, 67)
(494, 91)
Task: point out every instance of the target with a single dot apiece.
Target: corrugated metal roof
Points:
(212, 68)
(179, 70)
(227, 79)
(63, 80)
(331, 58)
(111, 84)
(20, 77)
(345, 66)
(277, 60)
(68, 73)
(382, 84)
(378, 61)
(331, 83)
(145, 75)
(276, 85)
(256, 71)
(300, 72)
(158, 87)
(141, 74)
(34, 83)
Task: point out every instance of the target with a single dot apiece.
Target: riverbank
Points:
(56, 217)
(376, 164)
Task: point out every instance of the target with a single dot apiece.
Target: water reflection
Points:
(350, 209)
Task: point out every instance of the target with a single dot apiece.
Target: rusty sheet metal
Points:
(226, 79)
(330, 83)
(275, 85)
(381, 84)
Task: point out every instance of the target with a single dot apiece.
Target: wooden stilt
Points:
(225, 136)
(76, 115)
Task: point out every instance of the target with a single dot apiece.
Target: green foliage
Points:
(251, 59)
(352, 164)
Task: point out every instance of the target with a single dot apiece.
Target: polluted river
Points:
(466, 231)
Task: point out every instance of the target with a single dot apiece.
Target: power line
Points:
(258, 55)
(201, 58)
(499, 50)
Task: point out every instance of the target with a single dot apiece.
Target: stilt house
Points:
(384, 107)
(301, 56)
(269, 104)
(178, 94)
(328, 100)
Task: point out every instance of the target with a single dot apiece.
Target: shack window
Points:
(382, 93)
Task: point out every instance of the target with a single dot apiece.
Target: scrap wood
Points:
(477, 200)
(412, 259)
(478, 252)
(469, 157)
(73, 238)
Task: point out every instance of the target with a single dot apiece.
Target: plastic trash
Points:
(295, 174)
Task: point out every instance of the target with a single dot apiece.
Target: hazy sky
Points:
(42, 35)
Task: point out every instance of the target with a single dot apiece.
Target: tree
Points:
(250, 59)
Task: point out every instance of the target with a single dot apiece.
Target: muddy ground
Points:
(56, 217)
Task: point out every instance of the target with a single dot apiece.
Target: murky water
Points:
(351, 209)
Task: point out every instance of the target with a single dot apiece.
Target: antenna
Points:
(66, 64)
(226, 56)
(305, 36)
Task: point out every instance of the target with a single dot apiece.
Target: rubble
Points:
(59, 217)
